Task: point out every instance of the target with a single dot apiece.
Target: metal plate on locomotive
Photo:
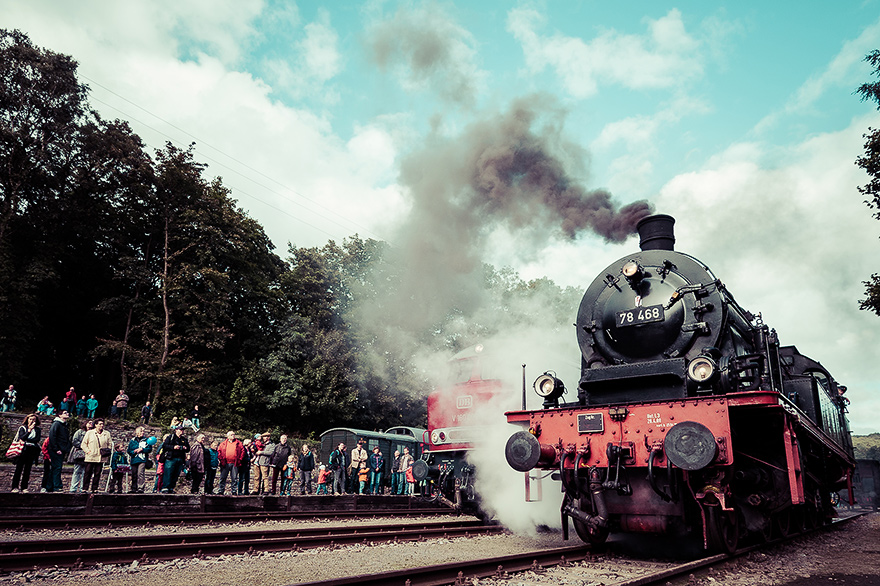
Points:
(591, 423)
(640, 315)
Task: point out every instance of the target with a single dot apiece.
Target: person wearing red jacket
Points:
(231, 452)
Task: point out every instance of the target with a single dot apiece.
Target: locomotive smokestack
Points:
(656, 232)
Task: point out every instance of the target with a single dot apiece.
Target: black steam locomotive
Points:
(690, 417)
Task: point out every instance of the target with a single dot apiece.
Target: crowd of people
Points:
(82, 406)
(361, 473)
(255, 466)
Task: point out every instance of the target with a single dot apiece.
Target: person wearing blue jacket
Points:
(376, 463)
(139, 449)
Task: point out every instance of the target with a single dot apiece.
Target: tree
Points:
(870, 162)
(41, 108)
(200, 301)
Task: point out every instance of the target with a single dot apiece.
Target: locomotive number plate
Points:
(640, 315)
(591, 423)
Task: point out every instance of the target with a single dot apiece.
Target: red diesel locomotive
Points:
(455, 413)
(690, 417)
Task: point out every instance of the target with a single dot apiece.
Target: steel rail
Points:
(26, 555)
(147, 520)
(665, 575)
(91, 543)
(463, 572)
(455, 573)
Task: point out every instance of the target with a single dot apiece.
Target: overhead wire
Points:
(235, 189)
(236, 171)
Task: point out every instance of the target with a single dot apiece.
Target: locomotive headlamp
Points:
(550, 388)
(632, 270)
(547, 385)
(702, 369)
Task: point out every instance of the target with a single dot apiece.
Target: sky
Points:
(328, 119)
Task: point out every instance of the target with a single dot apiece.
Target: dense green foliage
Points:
(870, 162)
(121, 268)
(867, 446)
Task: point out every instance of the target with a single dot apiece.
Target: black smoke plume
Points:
(515, 171)
(517, 177)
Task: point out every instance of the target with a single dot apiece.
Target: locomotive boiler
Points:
(690, 417)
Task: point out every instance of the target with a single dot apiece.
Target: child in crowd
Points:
(289, 473)
(363, 477)
(47, 466)
(323, 474)
(43, 405)
(118, 467)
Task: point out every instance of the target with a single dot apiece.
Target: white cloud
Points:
(663, 57)
(320, 49)
(284, 164)
(635, 143)
(219, 27)
(314, 60)
(787, 239)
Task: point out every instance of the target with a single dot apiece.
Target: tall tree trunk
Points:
(137, 294)
(166, 330)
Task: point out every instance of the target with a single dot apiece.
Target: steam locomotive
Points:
(454, 413)
(690, 417)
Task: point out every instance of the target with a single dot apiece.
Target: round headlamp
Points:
(548, 386)
(702, 369)
(632, 270)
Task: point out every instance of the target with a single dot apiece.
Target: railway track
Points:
(552, 566)
(30, 554)
(137, 520)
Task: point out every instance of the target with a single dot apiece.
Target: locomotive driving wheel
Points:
(722, 529)
(587, 533)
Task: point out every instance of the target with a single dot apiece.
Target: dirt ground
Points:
(848, 555)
